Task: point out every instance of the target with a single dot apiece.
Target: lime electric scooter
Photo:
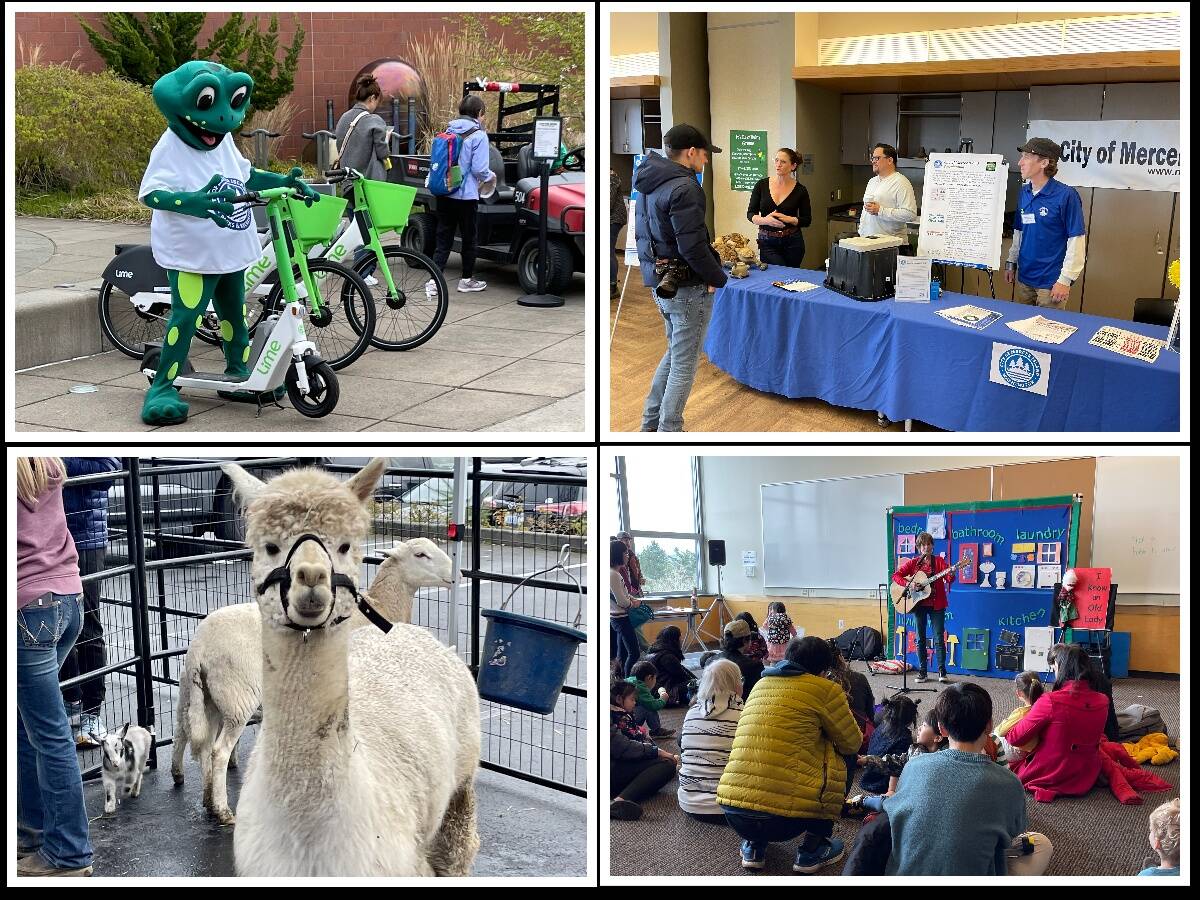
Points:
(282, 353)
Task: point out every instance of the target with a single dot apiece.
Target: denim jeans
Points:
(761, 828)
(50, 810)
(685, 317)
(625, 640)
(922, 613)
(649, 717)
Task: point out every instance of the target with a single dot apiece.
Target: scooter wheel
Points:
(322, 394)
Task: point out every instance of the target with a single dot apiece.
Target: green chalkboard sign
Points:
(747, 159)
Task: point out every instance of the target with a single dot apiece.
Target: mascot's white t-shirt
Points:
(186, 243)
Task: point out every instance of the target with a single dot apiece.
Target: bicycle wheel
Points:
(345, 319)
(417, 310)
(129, 329)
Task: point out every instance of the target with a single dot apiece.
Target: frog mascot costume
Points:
(203, 241)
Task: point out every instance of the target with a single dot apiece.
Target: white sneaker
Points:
(466, 285)
(431, 289)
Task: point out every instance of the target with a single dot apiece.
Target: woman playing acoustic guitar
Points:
(934, 606)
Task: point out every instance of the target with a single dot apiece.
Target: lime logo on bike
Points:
(255, 271)
(226, 330)
(338, 252)
(172, 336)
(269, 357)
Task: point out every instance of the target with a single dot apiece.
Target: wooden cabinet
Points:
(883, 119)
(1128, 242)
(976, 119)
(856, 124)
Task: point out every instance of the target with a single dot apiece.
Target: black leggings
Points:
(460, 214)
(636, 781)
(88, 653)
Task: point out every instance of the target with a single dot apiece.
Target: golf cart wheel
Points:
(322, 394)
(420, 234)
(559, 266)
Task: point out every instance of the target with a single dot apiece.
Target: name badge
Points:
(1027, 218)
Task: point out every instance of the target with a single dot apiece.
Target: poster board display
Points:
(962, 209)
(1003, 537)
(747, 159)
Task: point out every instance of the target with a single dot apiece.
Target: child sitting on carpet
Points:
(1164, 838)
(778, 630)
(1028, 689)
(638, 767)
(643, 677)
(892, 737)
(929, 740)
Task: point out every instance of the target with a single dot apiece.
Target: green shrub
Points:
(82, 132)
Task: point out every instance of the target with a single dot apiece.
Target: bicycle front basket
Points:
(318, 223)
(389, 204)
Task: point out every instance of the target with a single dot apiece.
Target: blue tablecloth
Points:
(907, 362)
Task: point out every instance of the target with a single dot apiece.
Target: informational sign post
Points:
(912, 279)
(547, 137)
(747, 159)
(962, 209)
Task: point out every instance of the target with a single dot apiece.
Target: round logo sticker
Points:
(1020, 368)
(242, 217)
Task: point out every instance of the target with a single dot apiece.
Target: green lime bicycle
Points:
(409, 288)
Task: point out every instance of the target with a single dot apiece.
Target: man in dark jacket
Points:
(86, 507)
(671, 231)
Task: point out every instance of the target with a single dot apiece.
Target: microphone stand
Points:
(903, 687)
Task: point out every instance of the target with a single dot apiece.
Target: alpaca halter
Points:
(283, 577)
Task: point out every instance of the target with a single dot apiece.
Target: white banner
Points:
(1016, 367)
(1131, 154)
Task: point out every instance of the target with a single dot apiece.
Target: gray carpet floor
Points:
(1092, 835)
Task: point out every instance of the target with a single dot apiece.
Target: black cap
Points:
(681, 137)
(1042, 147)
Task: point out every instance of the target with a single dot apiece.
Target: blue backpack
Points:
(444, 173)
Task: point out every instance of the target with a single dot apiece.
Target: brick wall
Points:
(336, 46)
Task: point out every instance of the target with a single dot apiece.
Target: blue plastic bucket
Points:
(525, 660)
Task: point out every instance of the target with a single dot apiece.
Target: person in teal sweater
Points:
(643, 676)
(957, 812)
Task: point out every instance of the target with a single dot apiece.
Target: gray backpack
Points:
(1136, 721)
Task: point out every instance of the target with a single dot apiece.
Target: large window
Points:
(657, 500)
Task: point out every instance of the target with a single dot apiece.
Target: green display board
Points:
(747, 159)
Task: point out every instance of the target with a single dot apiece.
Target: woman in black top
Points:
(779, 207)
(666, 654)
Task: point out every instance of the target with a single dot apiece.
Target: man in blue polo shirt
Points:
(1047, 252)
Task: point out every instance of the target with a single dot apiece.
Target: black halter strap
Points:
(283, 577)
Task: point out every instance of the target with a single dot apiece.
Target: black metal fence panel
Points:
(173, 552)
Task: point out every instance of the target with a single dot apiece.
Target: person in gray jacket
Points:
(362, 136)
(673, 240)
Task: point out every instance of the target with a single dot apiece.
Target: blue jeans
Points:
(923, 613)
(649, 717)
(50, 811)
(761, 828)
(626, 643)
(685, 317)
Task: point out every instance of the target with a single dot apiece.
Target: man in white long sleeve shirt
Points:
(1047, 252)
(889, 202)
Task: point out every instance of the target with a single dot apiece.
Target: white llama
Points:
(220, 686)
(365, 763)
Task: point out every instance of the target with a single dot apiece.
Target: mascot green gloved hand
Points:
(203, 240)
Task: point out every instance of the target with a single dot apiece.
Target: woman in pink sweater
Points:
(1068, 723)
(52, 824)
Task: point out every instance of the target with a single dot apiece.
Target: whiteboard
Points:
(828, 534)
(1136, 523)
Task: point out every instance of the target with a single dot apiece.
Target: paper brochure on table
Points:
(912, 279)
(1127, 343)
(798, 287)
(962, 208)
(969, 316)
(1039, 328)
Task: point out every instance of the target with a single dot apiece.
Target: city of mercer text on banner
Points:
(1130, 154)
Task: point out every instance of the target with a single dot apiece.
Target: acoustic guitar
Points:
(905, 597)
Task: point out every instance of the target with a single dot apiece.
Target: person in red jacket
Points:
(933, 607)
(1068, 723)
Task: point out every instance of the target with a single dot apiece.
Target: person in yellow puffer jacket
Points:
(785, 774)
